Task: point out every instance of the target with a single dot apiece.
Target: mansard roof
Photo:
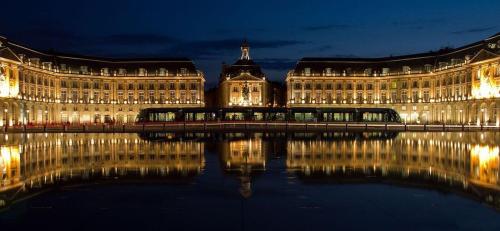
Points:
(244, 65)
(415, 62)
(94, 64)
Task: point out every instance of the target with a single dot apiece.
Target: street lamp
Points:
(482, 116)
(442, 116)
(28, 116)
(461, 117)
(5, 117)
(46, 117)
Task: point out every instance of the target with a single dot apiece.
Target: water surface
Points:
(257, 181)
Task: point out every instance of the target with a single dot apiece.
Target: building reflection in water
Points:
(33, 161)
(468, 162)
(243, 155)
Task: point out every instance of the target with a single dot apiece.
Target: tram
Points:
(361, 115)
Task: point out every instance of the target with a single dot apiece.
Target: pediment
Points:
(7, 53)
(483, 55)
(246, 77)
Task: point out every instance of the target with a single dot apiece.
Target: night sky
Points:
(279, 32)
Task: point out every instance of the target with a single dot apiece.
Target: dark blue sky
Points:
(279, 32)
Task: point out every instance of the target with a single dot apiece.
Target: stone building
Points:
(243, 84)
(460, 85)
(41, 87)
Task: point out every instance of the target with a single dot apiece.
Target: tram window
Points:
(278, 116)
(338, 116)
(234, 116)
(373, 117)
(304, 117)
(195, 116)
(162, 117)
(258, 116)
(211, 116)
(200, 116)
(327, 117)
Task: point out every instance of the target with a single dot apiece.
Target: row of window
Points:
(142, 97)
(253, 89)
(383, 85)
(387, 71)
(359, 97)
(85, 70)
(30, 89)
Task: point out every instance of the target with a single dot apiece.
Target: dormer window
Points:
(63, 67)
(122, 71)
(142, 72)
(442, 65)
(367, 72)
(328, 71)
(428, 68)
(84, 70)
(456, 61)
(307, 71)
(162, 72)
(385, 71)
(105, 71)
(34, 61)
(183, 71)
(406, 70)
(47, 65)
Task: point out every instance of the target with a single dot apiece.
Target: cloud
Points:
(418, 24)
(45, 38)
(142, 44)
(473, 30)
(350, 56)
(219, 47)
(327, 27)
(321, 48)
(277, 64)
(136, 39)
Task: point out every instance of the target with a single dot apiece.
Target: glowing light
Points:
(485, 154)
(486, 88)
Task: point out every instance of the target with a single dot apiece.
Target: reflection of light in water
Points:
(485, 154)
(9, 157)
(485, 163)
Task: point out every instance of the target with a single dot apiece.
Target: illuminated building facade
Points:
(461, 158)
(243, 84)
(38, 87)
(48, 159)
(459, 85)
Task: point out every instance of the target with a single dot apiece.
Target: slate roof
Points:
(416, 62)
(94, 64)
(241, 66)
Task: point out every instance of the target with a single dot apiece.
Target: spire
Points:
(245, 50)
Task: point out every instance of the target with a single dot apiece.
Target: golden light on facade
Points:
(486, 155)
(486, 87)
(9, 159)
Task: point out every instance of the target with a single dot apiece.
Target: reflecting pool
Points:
(250, 181)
